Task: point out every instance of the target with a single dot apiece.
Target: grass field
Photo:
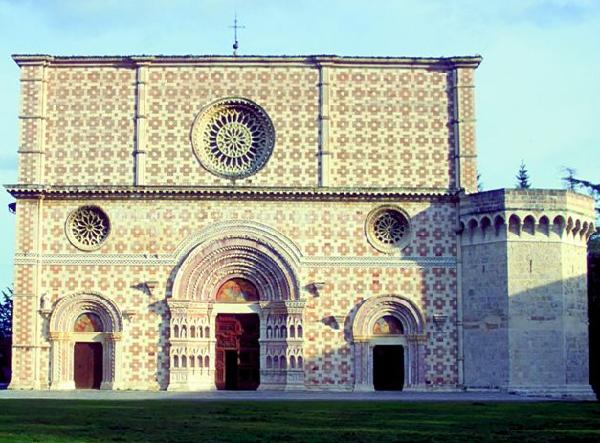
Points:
(295, 421)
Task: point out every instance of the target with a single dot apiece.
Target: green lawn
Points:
(181, 421)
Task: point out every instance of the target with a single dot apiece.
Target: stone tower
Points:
(524, 290)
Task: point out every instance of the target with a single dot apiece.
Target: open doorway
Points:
(237, 352)
(388, 368)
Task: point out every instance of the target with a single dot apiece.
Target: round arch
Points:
(194, 300)
(62, 336)
(209, 265)
(412, 339)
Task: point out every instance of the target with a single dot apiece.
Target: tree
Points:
(523, 177)
(6, 309)
(479, 183)
(573, 183)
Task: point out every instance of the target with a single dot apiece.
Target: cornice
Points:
(215, 193)
(175, 60)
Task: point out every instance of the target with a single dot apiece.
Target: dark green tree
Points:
(479, 182)
(523, 177)
(593, 189)
(6, 309)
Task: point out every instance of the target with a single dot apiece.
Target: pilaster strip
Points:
(140, 126)
(323, 154)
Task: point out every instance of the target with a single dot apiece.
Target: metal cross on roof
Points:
(235, 28)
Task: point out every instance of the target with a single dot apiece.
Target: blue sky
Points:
(538, 88)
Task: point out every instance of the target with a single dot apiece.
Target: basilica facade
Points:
(307, 222)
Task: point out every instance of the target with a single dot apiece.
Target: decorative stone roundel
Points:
(87, 227)
(388, 229)
(233, 137)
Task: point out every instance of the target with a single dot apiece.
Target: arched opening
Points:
(232, 286)
(498, 224)
(544, 225)
(388, 349)
(85, 332)
(514, 225)
(529, 225)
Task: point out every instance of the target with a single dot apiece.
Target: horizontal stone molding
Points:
(171, 260)
(227, 193)
(242, 60)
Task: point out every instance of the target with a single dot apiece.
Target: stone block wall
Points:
(536, 241)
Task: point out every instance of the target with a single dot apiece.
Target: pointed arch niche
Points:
(87, 318)
(388, 320)
(240, 274)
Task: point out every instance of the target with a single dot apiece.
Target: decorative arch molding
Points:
(247, 229)
(220, 254)
(376, 307)
(212, 263)
(525, 225)
(365, 340)
(63, 337)
(68, 308)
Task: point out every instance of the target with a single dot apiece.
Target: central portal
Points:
(238, 352)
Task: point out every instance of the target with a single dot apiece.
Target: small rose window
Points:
(87, 227)
(388, 229)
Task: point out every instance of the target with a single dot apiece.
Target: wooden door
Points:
(388, 368)
(88, 365)
(237, 352)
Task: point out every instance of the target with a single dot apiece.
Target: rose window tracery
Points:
(87, 227)
(233, 138)
(388, 229)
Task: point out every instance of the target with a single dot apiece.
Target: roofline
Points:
(134, 60)
(24, 191)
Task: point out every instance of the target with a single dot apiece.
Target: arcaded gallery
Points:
(195, 223)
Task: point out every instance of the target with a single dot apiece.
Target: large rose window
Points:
(233, 138)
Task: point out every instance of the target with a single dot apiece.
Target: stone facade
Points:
(341, 188)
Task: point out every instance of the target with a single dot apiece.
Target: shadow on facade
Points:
(535, 341)
(594, 312)
(5, 361)
(161, 310)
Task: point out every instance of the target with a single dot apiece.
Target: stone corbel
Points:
(314, 288)
(439, 321)
(128, 314)
(45, 313)
(151, 285)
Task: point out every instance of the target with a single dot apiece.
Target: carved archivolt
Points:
(210, 265)
(388, 305)
(68, 309)
(233, 137)
(410, 335)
